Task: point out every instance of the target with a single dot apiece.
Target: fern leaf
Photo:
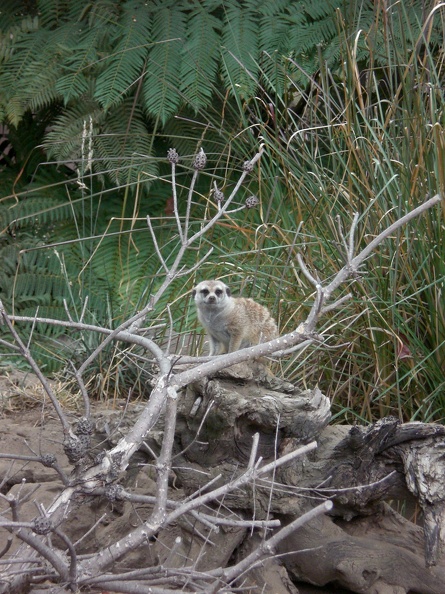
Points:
(79, 65)
(200, 58)
(274, 34)
(161, 81)
(52, 14)
(124, 147)
(29, 77)
(13, 31)
(274, 45)
(124, 66)
(42, 209)
(16, 70)
(64, 140)
(240, 47)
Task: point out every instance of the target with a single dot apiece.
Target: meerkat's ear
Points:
(193, 292)
(228, 292)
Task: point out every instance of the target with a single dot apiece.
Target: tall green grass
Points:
(369, 139)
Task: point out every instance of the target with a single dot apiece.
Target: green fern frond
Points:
(123, 148)
(72, 85)
(15, 73)
(12, 30)
(200, 58)
(124, 65)
(64, 140)
(240, 47)
(43, 90)
(30, 75)
(41, 209)
(318, 10)
(275, 45)
(274, 33)
(38, 284)
(102, 14)
(274, 71)
(80, 64)
(122, 269)
(52, 14)
(161, 78)
(317, 33)
(182, 134)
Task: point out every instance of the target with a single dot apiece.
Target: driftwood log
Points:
(379, 477)
(384, 534)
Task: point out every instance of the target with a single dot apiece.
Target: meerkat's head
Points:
(211, 293)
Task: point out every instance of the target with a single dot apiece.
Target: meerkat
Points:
(231, 323)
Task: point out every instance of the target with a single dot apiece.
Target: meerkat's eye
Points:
(218, 292)
(204, 292)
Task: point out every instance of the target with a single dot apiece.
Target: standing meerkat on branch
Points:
(232, 323)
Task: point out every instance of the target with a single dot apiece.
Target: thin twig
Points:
(198, 431)
(189, 271)
(83, 390)
(36, 369)
(72, 554)
(342, 237)
(175, 202)
(188, 207)
(353, 266)
(254, 451)
(156, 245)
(84, 308)
(304, 269)
(227, 203)
(352, 231)
(67, 311)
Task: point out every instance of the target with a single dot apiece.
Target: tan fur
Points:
(231, 323)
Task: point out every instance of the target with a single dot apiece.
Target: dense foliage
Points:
(348, 99)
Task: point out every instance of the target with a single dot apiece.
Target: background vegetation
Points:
(346, 96)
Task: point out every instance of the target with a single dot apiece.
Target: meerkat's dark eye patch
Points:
(205, 292)
(218, 292)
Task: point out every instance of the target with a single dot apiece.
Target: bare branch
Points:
(141, 533)
(353, 266)
(314, 281)
(175, 195)
(351, 248)
(156, 245)
(268, 547)
(36, 369)
(163, 465)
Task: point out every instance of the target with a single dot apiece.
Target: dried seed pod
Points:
(219, 196)
(113, 493)
(172, 156)
(200, 160)
(252, 201)
(48, 460)
(42, 526)
(84, 427)
(75, 448)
